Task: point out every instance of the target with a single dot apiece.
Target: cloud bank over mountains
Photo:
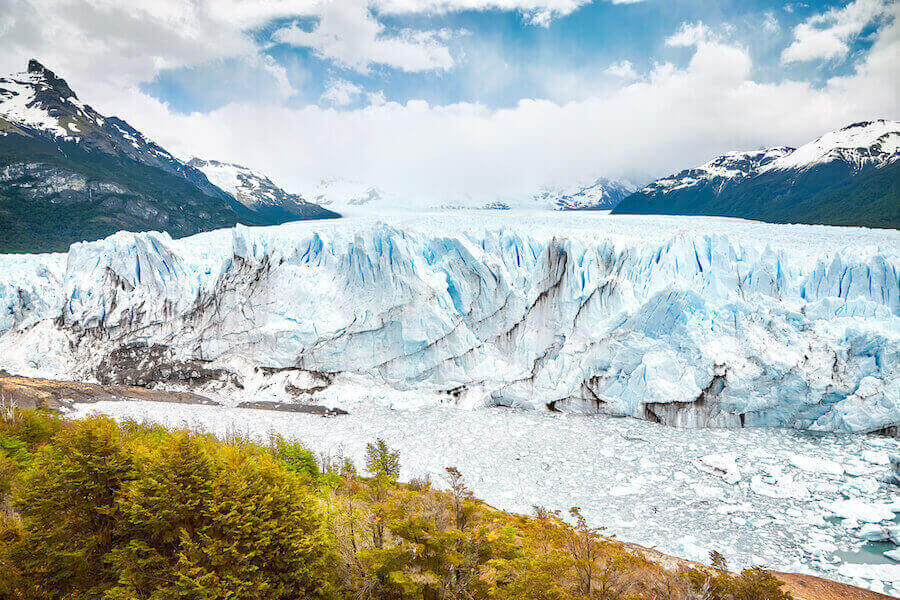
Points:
(649, 121)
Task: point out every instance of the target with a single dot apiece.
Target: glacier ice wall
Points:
(683, 327)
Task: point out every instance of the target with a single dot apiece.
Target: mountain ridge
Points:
(69, 173)
(848, 176)
(256, 191)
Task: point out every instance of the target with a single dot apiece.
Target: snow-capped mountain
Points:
(850, 176)
(685, 321)
(345, 195)
(69, 173)
(727, 169)
(602, 194)
(870, 144)
(342, 194)
(256, 191)
(40, 104)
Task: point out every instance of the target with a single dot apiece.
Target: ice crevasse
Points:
(676, 325)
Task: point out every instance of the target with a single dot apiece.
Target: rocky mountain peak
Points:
(57, 84)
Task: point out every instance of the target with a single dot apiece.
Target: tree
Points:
(460, 493)
(206, 520)
(718, 561)
(67, 501)
(295, 457)
(382, 462)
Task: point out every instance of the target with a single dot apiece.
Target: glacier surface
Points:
(685, 321)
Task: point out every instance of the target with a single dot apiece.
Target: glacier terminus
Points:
(656, 318)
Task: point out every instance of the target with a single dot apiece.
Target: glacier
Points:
(686, 321)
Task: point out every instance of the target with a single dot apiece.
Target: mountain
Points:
(846, 177)
(69, 173)
(257, 192)
(346, 195)
(342, 194)
(602, 194)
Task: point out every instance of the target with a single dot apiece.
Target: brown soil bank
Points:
(50, 394)
(808, 587)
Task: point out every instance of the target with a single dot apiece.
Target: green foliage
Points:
(381, 461)
(296, 457)
(14, 449)
(67, 501)
(718, 561)
(750, 584)
(207, 520)
(23, 430)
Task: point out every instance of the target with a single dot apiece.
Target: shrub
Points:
(295, 457)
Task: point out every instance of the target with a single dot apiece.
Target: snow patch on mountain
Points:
(865, 144)
(342, 194)
(762, 325)
(728, 168)
(19, 104)
(601, 194)
(251, 188)
(861, 145)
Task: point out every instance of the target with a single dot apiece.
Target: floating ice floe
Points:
(859, 510)
(723, 465)
(783, 486)
(816, 465)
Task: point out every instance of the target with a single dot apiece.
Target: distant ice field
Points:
(644, 482)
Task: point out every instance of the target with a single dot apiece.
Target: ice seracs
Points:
(765, 326)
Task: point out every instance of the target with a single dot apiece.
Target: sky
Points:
(467, 98)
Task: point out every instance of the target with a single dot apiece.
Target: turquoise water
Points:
(871, 553)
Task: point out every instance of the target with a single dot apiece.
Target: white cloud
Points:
(376, 98)
(540, 9)
(670, 119)
(341, 92)
(104, 45)
(689, 35)
(827, 35)
(348, 33)
(770, 23)
(623, 69)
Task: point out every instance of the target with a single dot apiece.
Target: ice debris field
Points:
(790, 500)
(684, 321)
